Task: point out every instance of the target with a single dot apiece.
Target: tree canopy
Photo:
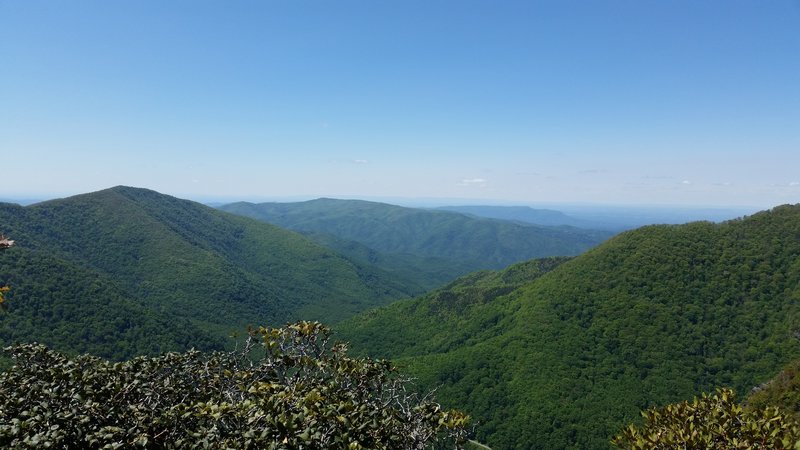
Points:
(711, 422)
(563, 358)
(286, 388)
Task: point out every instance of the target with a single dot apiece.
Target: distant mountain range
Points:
(425, 246)
(561, 354)
(526, 214)
(128, 271)
(614, 218)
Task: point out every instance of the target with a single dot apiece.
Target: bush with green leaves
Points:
(711, 422)
(286, 388)
(782, 391)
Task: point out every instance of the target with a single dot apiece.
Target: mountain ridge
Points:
(462, 242)
(180, 261)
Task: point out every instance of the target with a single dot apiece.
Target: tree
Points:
(711, 422)
(287, 388)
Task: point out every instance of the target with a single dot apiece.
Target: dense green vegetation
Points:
(79, 310)
(711, 422)
(768, 419)
(285, 389)
(555, 352)
(782, 391)
(427, 246)
(128, 271)
(565, 358)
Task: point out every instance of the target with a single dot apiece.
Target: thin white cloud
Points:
(687, 182)
(348, 161)
(531, 174)
(794, 183)
(473, 182)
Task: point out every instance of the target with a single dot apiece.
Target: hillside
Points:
(563, 359)
(432, 247)
(126, 271)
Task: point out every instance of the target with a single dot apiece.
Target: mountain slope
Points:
(652, 316)
(426, 238)
(61, 303)
(177, 260)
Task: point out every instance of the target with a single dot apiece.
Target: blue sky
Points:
(618, 102)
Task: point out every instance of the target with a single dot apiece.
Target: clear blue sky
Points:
(662, 102)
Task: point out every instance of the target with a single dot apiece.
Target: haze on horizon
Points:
(616, 102)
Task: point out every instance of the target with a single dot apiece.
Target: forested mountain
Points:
(431, 247)
(563, 359)
(127, 271)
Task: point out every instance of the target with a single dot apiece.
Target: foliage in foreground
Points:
(782, 391)
(711, 422)
(291, 391)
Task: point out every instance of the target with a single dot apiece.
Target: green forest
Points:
(127, 271)
(609, 347)
(564, 358)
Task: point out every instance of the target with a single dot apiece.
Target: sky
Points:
(678, 102)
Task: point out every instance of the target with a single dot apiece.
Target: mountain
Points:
(562, 355)
(431, 247)
(525, 214)
(126, 271)
(615, 218)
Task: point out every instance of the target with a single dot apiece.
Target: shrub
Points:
(286, 388)
(711, 422)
